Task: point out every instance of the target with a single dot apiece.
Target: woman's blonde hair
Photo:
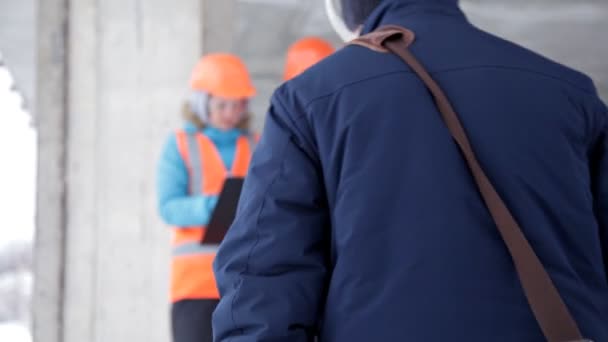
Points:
(191, 117)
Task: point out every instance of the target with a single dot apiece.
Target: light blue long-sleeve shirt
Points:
(176, 205)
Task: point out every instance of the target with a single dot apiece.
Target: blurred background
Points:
(89, 90)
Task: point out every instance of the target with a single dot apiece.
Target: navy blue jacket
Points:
(360, 221)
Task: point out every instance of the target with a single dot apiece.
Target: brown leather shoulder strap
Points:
(551, 313)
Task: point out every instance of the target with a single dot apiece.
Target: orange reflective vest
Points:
(192, 272)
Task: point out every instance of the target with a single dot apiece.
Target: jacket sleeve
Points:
(176, 206)
(600, 175)
(271, 267)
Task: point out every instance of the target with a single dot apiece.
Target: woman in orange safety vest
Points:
(215, 143)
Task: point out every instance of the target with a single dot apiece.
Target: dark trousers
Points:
(191, 320)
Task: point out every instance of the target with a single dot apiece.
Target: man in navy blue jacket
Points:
(360, 221)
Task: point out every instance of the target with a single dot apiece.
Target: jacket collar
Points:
(403, 11)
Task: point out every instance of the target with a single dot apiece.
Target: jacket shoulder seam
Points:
(526, 70)
(573, 84)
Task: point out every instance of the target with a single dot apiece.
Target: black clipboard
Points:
(224, 211)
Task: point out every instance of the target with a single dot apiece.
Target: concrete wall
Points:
(112, 76)
(264, 31)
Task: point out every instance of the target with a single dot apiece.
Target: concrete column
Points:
(49, 266)
(106, 108)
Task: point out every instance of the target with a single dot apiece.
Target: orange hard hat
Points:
(222, 75)
(305, 53)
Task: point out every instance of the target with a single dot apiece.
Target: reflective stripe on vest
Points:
(196, 182)
(190, 248)
(192, 272)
